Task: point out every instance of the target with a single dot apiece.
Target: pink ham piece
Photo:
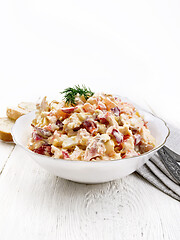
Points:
(102, 118)
(65, 154)
(44, 150)
(118, 136)
(125, 137)
(68, 110)
(91, 151)
(42, 132)
(94, 149)
(36, 136)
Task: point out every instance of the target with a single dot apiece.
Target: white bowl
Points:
(90, 172)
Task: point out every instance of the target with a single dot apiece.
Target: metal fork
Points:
(170, 159)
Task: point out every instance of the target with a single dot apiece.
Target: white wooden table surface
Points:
(37, 205)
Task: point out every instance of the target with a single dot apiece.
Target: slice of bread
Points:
(5, 129)
(28, 106)
(15, 112)
(23, 108)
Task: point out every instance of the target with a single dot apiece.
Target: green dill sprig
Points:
(71, 93)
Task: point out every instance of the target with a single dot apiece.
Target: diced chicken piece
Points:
(80, 100)
(43, 106)
(52, 118)
(82, 116)
(101, 128)
(51, 127)
(71, 122)
(88, 108)
(130, 153)
(83, 137)
(125, 130)
(70, 142)
(143, 147)
(128, 145)
(93, 100)
(126, 108)
(94, 149)
(125, 119)
(109, 103)
(101, 106)
(112, 121)
(57, 139)
(55, 105)
(77, 154)
(146, 136)
(109, 145)
(136, 122)
(57, 152)
(104, 137)
(60, 114)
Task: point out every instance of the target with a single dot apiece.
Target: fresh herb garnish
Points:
(71, 93)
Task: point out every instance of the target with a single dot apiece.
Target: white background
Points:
(128, 47)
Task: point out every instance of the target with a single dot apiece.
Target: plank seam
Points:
(7, 160)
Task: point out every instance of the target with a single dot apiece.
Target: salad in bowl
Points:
(89, 137)
(99, 127)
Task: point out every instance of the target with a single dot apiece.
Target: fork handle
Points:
(171, 165)
(174, 155)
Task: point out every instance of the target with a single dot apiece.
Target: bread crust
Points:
(5, 129)
(23, 108)
(7, 137)
(15, 113)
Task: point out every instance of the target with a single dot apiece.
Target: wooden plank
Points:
(36, 205)
(5, 151)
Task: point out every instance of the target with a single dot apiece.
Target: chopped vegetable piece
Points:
(89, 125)
(118, 136)
(68, 110)
(59, 124)
(116, 111)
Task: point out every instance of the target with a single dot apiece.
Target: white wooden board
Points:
(37, 205)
